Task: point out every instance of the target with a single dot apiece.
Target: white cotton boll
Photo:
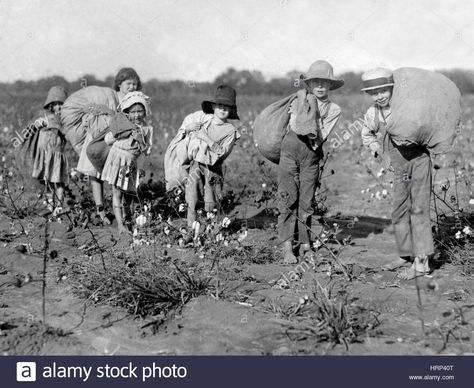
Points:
(471, 201)
(181, 208)
(242, 236)
(140, 220)
(196, 227)
(226, 222)
(384, 193)
(264, 185)
(458, 235)
(467, 230)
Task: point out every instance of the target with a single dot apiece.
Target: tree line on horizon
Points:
(246, 82)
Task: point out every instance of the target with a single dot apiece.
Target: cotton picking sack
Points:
(426, 109)
(176, 168)
(270, 126)
(87, 110)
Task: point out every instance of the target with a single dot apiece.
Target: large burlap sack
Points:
(426, 109)
(98, 150)
(270, 126)
(87, 110)
(177, 162)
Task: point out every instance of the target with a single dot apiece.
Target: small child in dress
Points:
(211, 141)
(50, 164)
(120, 169)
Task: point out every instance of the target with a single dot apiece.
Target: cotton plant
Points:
(143, 225)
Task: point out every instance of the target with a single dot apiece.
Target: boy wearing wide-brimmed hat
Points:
(412, 183)
(312, 118)
(211, 139)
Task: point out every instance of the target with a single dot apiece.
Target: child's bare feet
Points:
(422, 264)
(122, 229)
(409, 273)
(396, 264)
(420, 267)
(287, 253)
(105, 220)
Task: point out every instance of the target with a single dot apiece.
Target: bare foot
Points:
(410, 273)
(105, 220)
(289, 258)
(399, 263)
(123, 230)
(422, 264)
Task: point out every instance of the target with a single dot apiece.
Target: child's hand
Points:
(202, 135)
(193, 127)
(386, 164)
(375, 149)
(41, 122)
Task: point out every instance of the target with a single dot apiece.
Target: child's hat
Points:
(133, 98)
(225, 95)
(377, 78)
(55, 94)
(322, 70)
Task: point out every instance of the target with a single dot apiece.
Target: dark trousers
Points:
(203, 188)
(298, 176)
(411, 200)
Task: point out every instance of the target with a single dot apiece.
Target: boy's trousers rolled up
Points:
(298, 176)
(411, 200)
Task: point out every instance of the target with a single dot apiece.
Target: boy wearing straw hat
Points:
(312, 118)
(412, 183)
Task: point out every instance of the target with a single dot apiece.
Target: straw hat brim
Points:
(334, 83)
(377, 87)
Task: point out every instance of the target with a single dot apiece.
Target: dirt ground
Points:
(429, 315)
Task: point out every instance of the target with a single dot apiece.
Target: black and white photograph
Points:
(237, 178)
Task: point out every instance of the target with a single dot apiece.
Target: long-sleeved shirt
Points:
(223, 136)
(329, 113)
(130, 143)
(372, 126)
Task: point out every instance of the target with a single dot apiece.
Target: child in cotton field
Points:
(312, 118)
(120, 169)
(211, 141)
(412, 183)
(50, 164)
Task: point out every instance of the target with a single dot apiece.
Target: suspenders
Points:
(378, 125)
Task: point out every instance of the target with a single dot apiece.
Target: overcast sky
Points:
(197, 40)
